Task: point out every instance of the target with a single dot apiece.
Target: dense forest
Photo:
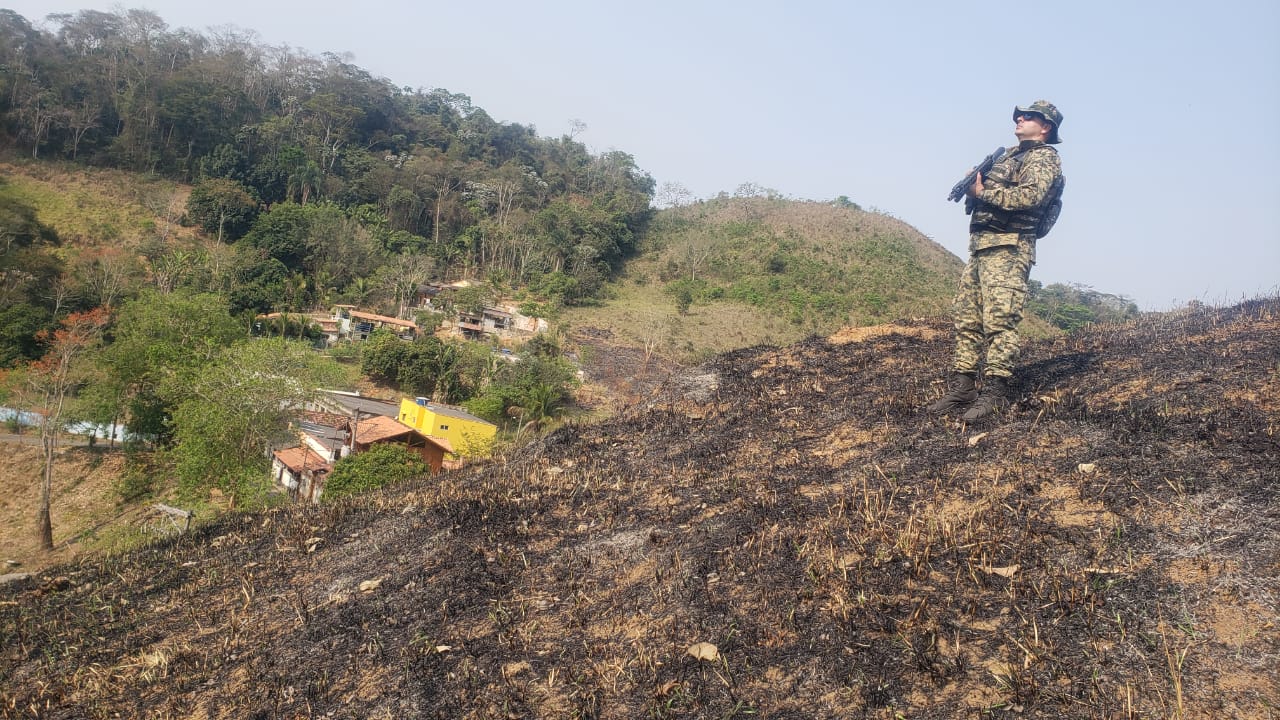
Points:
(318, 173)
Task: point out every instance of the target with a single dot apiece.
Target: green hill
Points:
(812, 263)
(734, 272)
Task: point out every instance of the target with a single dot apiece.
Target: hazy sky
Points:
(1170, 138)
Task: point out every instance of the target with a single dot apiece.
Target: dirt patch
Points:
(83, 499)
(862, 334)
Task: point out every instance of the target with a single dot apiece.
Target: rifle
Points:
(963, 186)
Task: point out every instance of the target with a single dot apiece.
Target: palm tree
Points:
(304, 181)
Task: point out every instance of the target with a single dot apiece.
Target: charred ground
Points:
(1107, 549)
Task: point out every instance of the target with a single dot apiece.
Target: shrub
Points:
(378, 466)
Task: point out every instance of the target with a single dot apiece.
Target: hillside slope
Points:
(1105, 550)
(830, 266)
(96, 207)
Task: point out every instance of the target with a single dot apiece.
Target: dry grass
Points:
(98, 207)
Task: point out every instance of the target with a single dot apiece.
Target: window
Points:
(444, 427)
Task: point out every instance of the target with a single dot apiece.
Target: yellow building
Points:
(468, 435)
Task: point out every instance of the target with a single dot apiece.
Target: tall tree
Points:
(161, 343)
(224, 207)
(52, 379)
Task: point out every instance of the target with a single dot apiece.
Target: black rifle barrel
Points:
(963, 186)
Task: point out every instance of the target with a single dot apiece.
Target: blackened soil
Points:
(1104, 549)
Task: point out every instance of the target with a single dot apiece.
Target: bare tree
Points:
(166, 205)
(81, 119)
(52, 379)
(105, 273)
(673, 194)
(401, 278)
(655, 331)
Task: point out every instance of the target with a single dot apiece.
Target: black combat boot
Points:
(960, 391)
(993, 398)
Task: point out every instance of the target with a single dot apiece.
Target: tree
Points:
(162, 342)
(52, 379)
(222, 206)
(376, 467)
(1073, 306)
(106, 274)
(382, 355)
(81, 118)
(673, 195)
(239, 407)
(21, 327)
(304, 181)
(41, 111)
(27, 270)
(534, 389)
(401, 277)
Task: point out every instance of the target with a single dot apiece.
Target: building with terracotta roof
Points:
(301, 471)
(361, 325)
(384, 430)
(338, 424)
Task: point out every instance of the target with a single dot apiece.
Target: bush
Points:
(378, 466)
(134, 484)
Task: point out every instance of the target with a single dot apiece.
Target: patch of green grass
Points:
(95, 206)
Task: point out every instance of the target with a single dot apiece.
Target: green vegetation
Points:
(237, 407)
(448, 372)
(376, 467)
(1071, 307)
(28, 268)
(198, 182)
(817, 265)
(530, 387)
(738, 271)
(422, 173)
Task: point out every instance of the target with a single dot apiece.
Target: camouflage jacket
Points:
(1012, 194)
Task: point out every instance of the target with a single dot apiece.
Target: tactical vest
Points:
(1028, 221)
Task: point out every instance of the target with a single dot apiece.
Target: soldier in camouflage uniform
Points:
(1002, 248)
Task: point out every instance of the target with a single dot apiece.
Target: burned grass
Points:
(1106, 549)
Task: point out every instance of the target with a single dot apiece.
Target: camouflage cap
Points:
(1050, 113)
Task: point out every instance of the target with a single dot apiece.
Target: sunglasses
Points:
(1030, 116)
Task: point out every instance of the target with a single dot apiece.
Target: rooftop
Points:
(373, 429)
(384, 319)
(302, 458)
(353, 403)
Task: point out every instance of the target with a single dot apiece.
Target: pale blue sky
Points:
(1172, 109)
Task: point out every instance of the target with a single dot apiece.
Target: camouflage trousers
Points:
(988, 308)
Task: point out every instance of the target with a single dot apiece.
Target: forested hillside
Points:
(162, 188)
(822, 265)
(350, 173)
